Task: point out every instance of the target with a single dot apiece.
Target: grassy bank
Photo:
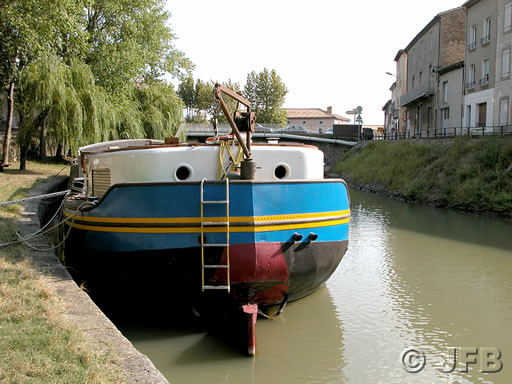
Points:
(36, 343)
(464, 173)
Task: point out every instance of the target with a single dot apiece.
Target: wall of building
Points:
(454, 102)
(477, 51)
(452, 39)
(401, 73)
(503, 80)
(473, 100)
(476, 15)
(312, 124)
(422, 57)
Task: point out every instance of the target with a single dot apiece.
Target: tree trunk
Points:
(8, 126)
(59, 151)
(23, 157)
(42, 140)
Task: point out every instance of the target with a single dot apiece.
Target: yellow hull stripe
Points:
(265, 228)
(197, 220)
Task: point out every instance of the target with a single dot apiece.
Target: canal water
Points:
(413, 277)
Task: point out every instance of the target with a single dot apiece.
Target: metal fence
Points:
(435, 133)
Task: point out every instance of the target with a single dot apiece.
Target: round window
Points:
(183, 172)
(282, 171)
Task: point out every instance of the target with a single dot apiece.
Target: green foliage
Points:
(89, 69)
(130, 40)
(204, 101)
(161, 110)
(473, 174)
(76, 111)
(30, 29)
(200, 102)
(186, 91)
(267, 93)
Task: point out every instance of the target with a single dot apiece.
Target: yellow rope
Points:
(235, 160)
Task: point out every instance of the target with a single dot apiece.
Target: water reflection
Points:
(433, 279)
(303, 344)
(414, 276)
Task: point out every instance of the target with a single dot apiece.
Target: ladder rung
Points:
(222, 223)
(215, 265)
(216, 287)
(215, 245)
(214, 202)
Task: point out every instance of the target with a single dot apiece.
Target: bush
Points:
(466, 173)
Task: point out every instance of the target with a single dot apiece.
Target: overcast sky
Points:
(327, 52)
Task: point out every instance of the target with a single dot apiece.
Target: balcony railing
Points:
(485, 39)
(424, 90)
(472, 45)
(485, 79)
(470, 85)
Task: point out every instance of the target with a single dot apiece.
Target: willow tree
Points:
(161, 109)
(30, 29)
(62, 102)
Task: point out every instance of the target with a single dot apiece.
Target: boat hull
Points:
(285, 238)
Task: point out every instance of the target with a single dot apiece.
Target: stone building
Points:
(503, 80)
(314, 119)
(432, 57)
(480, 62)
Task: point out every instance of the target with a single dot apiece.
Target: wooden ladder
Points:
(224, 224)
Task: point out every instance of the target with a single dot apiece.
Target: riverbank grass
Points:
(36, 343)
(467, 173)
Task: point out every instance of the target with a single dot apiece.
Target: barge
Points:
(255, 223)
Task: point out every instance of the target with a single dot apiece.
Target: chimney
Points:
(329, 109)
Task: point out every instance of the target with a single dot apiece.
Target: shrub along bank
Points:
(472, 174)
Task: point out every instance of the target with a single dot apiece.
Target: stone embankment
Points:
(80, 309)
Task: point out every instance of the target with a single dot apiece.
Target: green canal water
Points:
(413, 276)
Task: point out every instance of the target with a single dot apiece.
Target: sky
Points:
(327, 52)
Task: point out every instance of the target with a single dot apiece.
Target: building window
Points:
(472, 38)
(472, 77)
(412, 82)
(445, 91)
(484, 80)
(504, 111)
(445, 116)
(421, 77)
(507, 23)
(320, 122)
(487, 31)
(505, 63)
(303, 122)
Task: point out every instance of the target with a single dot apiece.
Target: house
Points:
(435, 50)
(502, 78)
(388, 116)
(314, 119)
(400, 89)
(480, 62)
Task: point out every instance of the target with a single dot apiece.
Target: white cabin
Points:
(146, 161)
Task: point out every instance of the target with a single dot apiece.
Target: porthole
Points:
(183, 172)
(281, 171)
